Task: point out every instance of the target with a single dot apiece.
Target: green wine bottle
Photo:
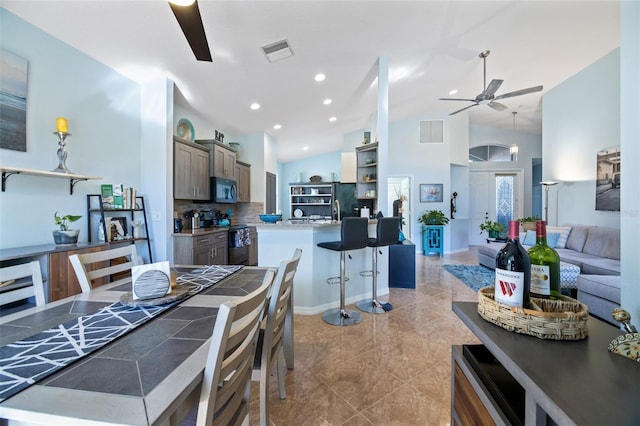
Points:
(545, 266)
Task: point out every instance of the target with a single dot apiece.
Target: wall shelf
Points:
(73, 177)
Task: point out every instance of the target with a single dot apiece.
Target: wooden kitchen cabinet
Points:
(253, 247)
(243, 176)
(201, 249)
(62, 278)
(224, 162)
(190, 171)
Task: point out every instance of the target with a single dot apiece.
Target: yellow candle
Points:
(61, 125)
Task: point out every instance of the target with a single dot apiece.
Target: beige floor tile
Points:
(391, 369)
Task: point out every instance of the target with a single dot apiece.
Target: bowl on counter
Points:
(270, 218)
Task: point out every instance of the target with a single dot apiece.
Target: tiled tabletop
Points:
(139, 375)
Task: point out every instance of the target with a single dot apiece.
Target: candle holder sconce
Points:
(62, 153)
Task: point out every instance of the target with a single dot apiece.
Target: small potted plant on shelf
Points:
(494, 229)
(64, 235)
(528, 223)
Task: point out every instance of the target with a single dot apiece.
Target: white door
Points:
(494, 195)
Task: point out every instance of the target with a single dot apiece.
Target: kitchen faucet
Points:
(337, 209)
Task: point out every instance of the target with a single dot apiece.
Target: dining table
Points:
(150, 375)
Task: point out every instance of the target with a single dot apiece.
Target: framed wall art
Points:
(13, 101)
(430, 192)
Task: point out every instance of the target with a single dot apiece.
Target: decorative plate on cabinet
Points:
(185, 130)
(297, 213)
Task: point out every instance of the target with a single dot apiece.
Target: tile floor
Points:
(391, 369)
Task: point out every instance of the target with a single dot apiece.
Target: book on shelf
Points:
(118, 196)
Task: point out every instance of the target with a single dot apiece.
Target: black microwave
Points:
(223, 191)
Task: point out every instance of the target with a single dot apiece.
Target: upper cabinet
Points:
(243, 176)
(190, 171)
(223, 159)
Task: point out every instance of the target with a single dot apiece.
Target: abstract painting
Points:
(13, 101)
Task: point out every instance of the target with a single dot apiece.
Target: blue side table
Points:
(433, 239)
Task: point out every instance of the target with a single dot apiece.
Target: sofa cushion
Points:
(603, 242)
(577, 237)
(604, 286)
(564, 232)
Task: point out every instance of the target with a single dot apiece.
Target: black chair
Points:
(387, 232)
(354, 236)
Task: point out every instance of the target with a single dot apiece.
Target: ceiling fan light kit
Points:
(487, 96)
(190, 21)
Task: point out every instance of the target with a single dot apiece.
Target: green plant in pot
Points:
(64, 235)
(528, 223)
(433, 217)
(493, 228)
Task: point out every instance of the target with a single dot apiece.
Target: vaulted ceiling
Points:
(432, 48)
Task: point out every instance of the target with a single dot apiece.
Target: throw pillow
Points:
(552, 239)
(564, 234)
(529, 239)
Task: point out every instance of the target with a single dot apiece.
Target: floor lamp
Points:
(547, 185)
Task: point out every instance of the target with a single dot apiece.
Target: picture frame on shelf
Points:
(118, 226)
(431, 192)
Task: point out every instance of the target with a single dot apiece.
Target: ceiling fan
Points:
(487, 97)
(188, 15)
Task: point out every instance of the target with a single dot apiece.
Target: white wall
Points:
(103, 109)
(580, 116)
(630, 149)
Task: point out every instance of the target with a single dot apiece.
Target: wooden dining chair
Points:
(270, 351)
(226, 385)
(98, 268)
(20, 282)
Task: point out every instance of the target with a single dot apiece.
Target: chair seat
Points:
(332, 245)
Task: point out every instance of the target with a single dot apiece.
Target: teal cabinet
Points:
(433, 239)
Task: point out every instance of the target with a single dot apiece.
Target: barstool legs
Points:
(342, 316)
(372, 306)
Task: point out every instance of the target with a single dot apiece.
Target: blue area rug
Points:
(473, 276)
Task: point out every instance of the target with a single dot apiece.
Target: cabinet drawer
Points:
(203, 241)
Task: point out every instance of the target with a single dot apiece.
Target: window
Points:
(504, 199)
(489, 153)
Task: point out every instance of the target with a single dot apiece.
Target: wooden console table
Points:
(570, 382)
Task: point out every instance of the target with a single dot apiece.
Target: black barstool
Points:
(387, 232)
(355, 235)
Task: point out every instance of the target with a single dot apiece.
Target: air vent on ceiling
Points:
(277, 51)
(432, 131)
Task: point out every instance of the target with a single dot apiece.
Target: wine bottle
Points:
(545, 266)
(513, 271)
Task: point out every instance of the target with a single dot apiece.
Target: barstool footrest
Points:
(368, 273)
(336, 280)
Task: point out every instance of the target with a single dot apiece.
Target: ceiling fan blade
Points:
(460, 110)
(456, 99)
(492, 88)
(497, 106)
(519, 92)
(191, 24)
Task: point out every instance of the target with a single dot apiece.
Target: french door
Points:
(495, 195)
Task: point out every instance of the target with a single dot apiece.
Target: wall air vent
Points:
(432, 131)
(277, 51)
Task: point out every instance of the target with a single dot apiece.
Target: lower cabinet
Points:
(253, 247)
(203, 249)
(62, 277)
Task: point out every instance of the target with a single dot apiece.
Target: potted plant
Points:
(528, 223)
(64, 235)
(494, 229)
(433, 217)
(432, 231)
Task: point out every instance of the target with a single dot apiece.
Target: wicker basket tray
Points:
(564, 319)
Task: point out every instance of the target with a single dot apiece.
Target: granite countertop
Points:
(201, 231)
(287, 224)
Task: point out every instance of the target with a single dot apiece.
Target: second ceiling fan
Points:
(487, 97)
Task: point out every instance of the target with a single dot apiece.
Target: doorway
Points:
(399, 200)
(495, 195)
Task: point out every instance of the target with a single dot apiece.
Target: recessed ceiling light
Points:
(277, 126)
(327, 101)
(453, 92)
(255, 105)
(304, 148)
(320, 77)
(182, 2)
(332, 119)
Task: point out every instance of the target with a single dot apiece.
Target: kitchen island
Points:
(312, 295)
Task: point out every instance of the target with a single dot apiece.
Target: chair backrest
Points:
(90, 267)
(224, 398)
(387, 231)
(15, 289)
(354, 233)
(277, 310)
